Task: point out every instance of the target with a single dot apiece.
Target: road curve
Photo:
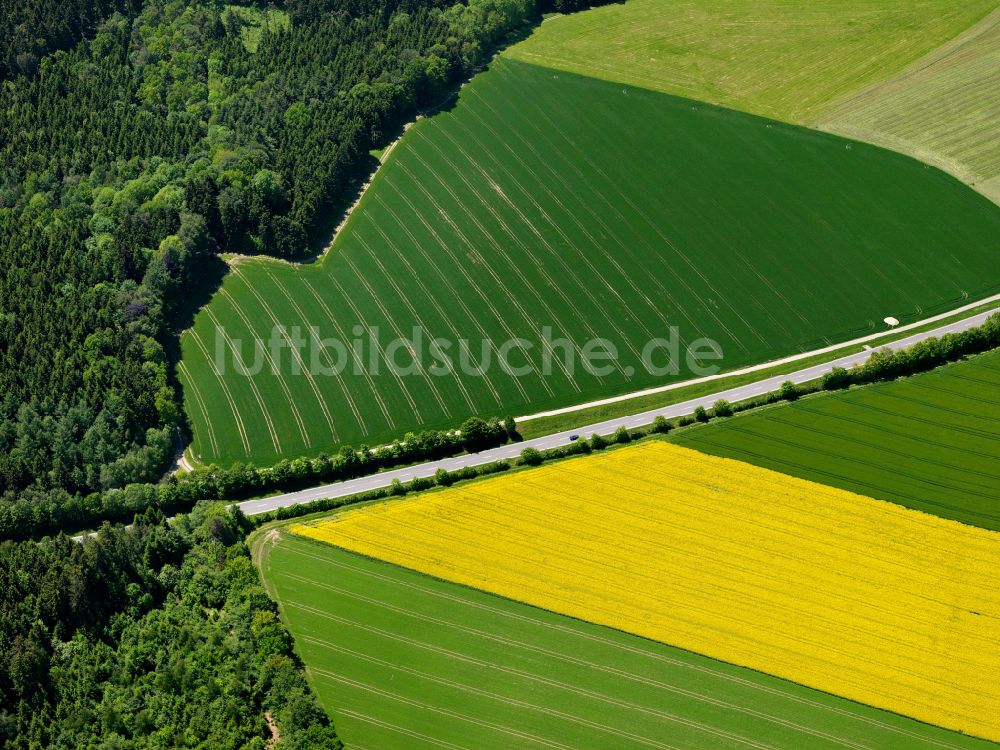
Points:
(733, 395)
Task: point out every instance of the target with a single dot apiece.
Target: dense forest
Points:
(30, 29)
(154, 636)
(129, 160)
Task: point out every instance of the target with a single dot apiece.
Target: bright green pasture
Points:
(787, 59)
(544, 199)
(944, 109)
(930, 442)
(400, 660)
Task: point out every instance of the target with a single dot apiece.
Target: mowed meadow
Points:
(402, 660)
(930, 441)
(853, 596)
(944, 108)
(545, 199)
(789, 60)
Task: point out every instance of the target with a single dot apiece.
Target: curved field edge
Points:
(560, 664)
(489, 221)
(788, 60)
(929, 441)
(943, 109)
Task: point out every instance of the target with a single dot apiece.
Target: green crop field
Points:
(944, 109)
(545, 199)
(786, 59)
(930, 442)
(400, 660)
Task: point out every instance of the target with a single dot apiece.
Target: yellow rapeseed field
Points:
(858, 597)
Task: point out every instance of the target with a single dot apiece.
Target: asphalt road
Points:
(733, 395)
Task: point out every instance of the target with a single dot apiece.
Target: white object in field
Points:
(891, 322)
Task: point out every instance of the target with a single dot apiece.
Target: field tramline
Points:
(514, 217)
(850, 595)
(471, 669)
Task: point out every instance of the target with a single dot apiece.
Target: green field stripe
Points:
(570, 726)
(410, 301)
(337, 322)
(569, 285)
(913, 490)
(367, 321)
(385, 319)
(223, 423)
(279, 322)
(580, 201)
(615, 714)
(559, 222)
(320, 358)
(280, 402)
(199, 410)
(339, 408)
(380, 733)
(456, 325)
(936, 431)
(559, 559)
(346, 611)
(537, 201)
(454, 727)
(437, 623)
(240, 314)
(478, 290)
(233, 351)
(855, 449)
(234, 410)
(489, 226)
(563, 683)
(695, 285)
(962, 455)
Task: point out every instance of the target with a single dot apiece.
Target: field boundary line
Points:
(351, 713)
(673, 661)
(443, 711)
(491, 695)
(552, 682)
(764, 365)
